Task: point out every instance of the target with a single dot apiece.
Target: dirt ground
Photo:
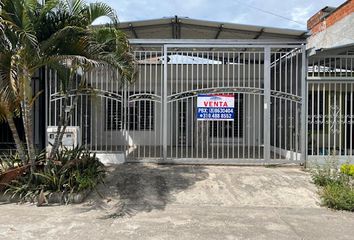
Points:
(147, 201)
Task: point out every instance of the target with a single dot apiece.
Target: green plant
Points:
(71, 171)
(336, 184)
(338, 196)
(8, 162)
(347, 169)
(327, 173)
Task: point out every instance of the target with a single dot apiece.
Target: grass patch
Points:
(338, 196)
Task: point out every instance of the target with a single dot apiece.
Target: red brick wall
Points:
(316, 25)
(315, 19)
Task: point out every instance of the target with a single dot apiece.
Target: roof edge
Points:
(216, 41)
(208, 23)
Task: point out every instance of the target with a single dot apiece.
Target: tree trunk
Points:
(27, 123)
(64, 120)
(27, 118)
(31, 148)
(18, 142)
(63, 123)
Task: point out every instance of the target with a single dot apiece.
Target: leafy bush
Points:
(347, 169)
(336, 185)
(323, 175)
(71, 171)
(338, 196)
(9, 162)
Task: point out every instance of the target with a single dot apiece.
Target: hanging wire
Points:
(272, 13)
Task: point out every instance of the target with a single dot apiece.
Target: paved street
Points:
(186, 202)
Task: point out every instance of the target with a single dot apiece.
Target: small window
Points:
(113, 115)
(141, 116)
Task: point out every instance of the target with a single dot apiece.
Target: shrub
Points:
(336, 185)
(323, 175)
(9, 162)
(71, 171)
(347, 169)
(338, 196)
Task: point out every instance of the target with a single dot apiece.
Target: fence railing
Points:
(330, 108)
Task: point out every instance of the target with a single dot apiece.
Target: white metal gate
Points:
(154, 118)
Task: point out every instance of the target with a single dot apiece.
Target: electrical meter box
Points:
(71, 138)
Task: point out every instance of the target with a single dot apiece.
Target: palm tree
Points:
(8, 111)
(19, 53)
(9, 100)
(58, 34)
(95, 46)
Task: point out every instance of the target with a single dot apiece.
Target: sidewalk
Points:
(187, 202)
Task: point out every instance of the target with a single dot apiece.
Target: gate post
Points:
(303, 128)
(164, 105)
(125, 103)
(266, 123)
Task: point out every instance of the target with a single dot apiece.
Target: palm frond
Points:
(3, 112)
(48, 6)
(24, 35)
(100, 9)
(8, 72)
(75, 61)
(4, 107)
(74, 7)
(116, 51)
(61, 36)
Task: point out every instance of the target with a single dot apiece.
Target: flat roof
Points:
(186, 28)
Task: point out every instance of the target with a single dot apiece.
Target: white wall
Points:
(339, 34)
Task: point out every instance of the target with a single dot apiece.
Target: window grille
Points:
(140, 115)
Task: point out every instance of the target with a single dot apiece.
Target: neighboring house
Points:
(262, 69)
(331, 82)
(331, 29)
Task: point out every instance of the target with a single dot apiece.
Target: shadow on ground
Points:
(133, 188)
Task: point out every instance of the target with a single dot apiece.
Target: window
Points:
(140, 115)
(113, 115)
(224, 129)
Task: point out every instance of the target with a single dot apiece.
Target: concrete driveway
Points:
(187, 202)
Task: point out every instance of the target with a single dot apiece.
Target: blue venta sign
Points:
(215, 107)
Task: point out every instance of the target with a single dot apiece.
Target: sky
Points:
(294, 13)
